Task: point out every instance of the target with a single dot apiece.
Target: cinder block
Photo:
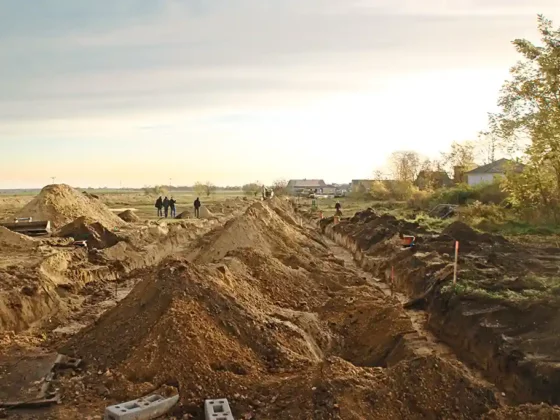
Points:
(217, 410)
(145, 408)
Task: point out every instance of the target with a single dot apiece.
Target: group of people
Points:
(164, 205)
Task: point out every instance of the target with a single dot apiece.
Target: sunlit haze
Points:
(135, 92)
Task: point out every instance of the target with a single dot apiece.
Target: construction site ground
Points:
(285, 315)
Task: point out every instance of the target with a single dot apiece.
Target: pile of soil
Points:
(260, 311)
(62, 204)
(205, 213)
(185, 215)
(9, 239)
(96, 235)
(129, 216)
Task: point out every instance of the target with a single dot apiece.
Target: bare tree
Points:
(488, 144)
(461, 154)
(209, 189)
(405, 165)
(280, 187)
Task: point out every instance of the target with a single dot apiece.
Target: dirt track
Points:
(261, 310)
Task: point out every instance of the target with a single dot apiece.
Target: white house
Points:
(487, 174)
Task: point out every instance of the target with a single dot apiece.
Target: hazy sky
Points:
(231, 91)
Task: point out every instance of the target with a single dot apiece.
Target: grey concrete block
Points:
(217, 409)
(145, 408)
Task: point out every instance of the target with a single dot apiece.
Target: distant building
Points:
(432, 179)
(329, 190)
(299, 186)
(486, 174)
(361, 185)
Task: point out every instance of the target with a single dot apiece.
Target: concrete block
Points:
(217, 410)
(145, 408)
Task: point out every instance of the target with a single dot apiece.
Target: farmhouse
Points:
(298, 186)
(432, 179)
(486, 174)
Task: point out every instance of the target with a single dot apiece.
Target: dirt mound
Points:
(259, 227)
(525, 412)
(11, 239)
(129, 216)
(185, 215)
(205, 213)
(61, 204)
(96, 235)
(181, 325)
(461, 232)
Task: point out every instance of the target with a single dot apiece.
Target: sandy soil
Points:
(252, 305)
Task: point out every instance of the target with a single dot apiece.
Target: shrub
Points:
(401, 190)
(379, 191)
(480, 210)
(420, 199)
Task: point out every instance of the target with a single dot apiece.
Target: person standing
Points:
(197, 208)
(172, 203)
(338, 206)
(159, 206)
(166, 206)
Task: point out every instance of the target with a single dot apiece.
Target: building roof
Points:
(306, 183)
(498, 167)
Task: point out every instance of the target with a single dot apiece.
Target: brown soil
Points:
(15, 240)
(185, 215)
(525, 412)
(205, 213)
(95, 234)
(503, 314)
(129, 216)
(62, 204)
(261, 311)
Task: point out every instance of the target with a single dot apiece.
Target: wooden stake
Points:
(456, 262)
(392, 280)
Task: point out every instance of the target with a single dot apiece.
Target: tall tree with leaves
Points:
(530, 111)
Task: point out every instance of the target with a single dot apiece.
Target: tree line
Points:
(527, 126)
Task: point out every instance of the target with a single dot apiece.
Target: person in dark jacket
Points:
(338, 206)
(166, 206)
(197, 208)
(159, 206)
(172, 203)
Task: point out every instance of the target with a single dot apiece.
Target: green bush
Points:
(464, 194)
(379, 191)
(420, 200)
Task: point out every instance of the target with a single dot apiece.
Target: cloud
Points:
(80, 59)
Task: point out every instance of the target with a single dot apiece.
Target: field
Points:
(285, 314)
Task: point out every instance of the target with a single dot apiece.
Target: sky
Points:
(145, 92)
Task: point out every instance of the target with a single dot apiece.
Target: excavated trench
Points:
(265, 309)
(470, 329)
(419, 341)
